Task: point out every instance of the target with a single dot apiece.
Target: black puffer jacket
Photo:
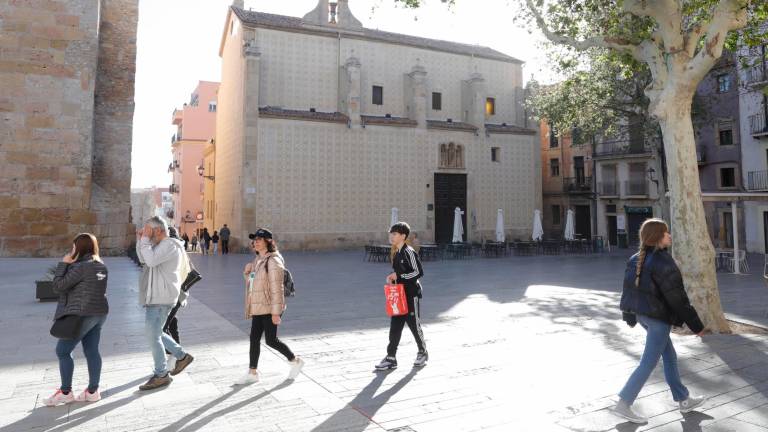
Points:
(81, 287)
(660, 293)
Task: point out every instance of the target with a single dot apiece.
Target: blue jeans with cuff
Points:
(154, 321)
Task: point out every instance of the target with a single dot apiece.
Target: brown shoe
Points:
(156, 382)
(182, 364)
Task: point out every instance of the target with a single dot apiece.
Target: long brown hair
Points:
(651, 233)
(86, 244)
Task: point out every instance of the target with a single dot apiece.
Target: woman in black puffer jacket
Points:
(81, 282)
(654, 296)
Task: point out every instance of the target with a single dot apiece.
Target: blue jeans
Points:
(657, 344)
(154, 320)
(90, 333)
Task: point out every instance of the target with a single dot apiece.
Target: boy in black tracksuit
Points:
(407, 271)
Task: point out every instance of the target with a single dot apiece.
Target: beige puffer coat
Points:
(264, 294)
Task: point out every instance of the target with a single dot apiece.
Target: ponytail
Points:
(639, 268)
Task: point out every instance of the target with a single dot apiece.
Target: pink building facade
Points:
(195, 126)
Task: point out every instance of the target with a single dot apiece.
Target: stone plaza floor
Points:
(516, 344)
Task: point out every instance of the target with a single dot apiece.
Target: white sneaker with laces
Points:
(625, 411)
(87, 396)
(248, 378)
(692, 403)
(296, 366)
(59, 398)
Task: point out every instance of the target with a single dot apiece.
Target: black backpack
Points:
(288, 290)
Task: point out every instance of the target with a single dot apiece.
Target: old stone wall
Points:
(66, 108)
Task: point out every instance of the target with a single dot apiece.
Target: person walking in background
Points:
(215, 241)
(407, 271)
(194, 242)
(159, 290)
(205, 241)
(81, 282)
(654, 296)
(224, 233)
(185, 237)
(265, 303)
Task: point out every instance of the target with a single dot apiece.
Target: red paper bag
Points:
(397, 304)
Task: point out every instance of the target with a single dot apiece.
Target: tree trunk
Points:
(692, 247)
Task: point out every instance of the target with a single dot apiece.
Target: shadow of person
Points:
(692, 421)
(366, 403)
(179, 425)
(76, 414)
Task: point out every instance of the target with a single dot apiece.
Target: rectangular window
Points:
(727, 177)
(490, 106)
(726, 137)
(378, 95)
(496, 154)
(554, 167)
(212, 106)
(552, 137)
(610, 208)
(555, 215)
(723, 83)
(437, 101)
(576, 137)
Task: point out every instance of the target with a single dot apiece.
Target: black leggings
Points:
(413, 319)
(263, 324)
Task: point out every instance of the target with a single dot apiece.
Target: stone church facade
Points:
(324, 126)
(66, 113)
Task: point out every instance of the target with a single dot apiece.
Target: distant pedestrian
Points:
(194, 242)
(654, 296)
(205, 241)
(185, 237)
(265, 303)
(407, 271)
(215, 241)
(224, 233)
(159, 290)
(81, 282)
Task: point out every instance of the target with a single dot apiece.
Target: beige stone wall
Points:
(325, 185)
(59, 174)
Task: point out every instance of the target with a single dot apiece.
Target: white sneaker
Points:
(625, 411)
(248, 378)
(692, 403)
(87, 396)
(59, 398)
(296, 366)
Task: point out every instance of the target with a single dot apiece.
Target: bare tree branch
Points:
(692, 39)
(728, 15)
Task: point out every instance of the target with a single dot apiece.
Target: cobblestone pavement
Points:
(516, 344)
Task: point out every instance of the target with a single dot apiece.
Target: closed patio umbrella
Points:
(569, 225)
(500, 226)
(538, 231)
(458, 226)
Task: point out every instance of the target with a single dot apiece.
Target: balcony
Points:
(757, 76)
(757, 181)
(173, 188)
(622, 148)
(757, 126)
(608, 189)
(577, 185)
(637, 188)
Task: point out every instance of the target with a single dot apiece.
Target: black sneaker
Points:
(182, 364)
(387, 364)
(421, 359)
(156, 382)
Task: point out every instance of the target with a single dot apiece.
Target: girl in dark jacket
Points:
(81, 282)
(654, 296)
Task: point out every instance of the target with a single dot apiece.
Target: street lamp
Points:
(201, 173)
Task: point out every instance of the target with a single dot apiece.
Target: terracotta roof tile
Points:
(387, 121)
(452, 125)
(508, 129)
(275, 112)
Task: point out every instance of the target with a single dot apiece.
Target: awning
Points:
(734, 196)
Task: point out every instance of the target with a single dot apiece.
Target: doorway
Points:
(613, 238)
(583, 221)
(450, 192)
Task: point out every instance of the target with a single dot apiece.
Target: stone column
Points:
(351, 97)
(418, 95)
(473, 100)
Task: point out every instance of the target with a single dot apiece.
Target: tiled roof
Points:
(452, 125)
(274, 112)
(387, 121)
(262, 19)
(508, 129)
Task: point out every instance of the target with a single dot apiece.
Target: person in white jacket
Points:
(159, 290)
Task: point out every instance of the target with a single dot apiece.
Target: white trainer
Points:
(625, 411)
(59, 398)
(87, 396)
(692, 403)
(248, 378)
(296, 366)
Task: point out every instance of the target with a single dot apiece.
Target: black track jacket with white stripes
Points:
(407, 266)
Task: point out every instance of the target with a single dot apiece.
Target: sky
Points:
(178, 43)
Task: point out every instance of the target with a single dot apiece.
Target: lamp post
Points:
(201, 173)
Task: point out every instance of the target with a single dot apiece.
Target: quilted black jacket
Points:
(81, 287)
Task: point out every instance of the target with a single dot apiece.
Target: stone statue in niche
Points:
(451, 156)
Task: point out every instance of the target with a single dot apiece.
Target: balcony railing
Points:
(757, 180)
(608, 189)
(701, 154)
(757, 126)
(757, 75)
(577, 184)
(636, 188)
(621, 148)
(173, 188)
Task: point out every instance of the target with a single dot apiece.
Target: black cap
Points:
(265, 234)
